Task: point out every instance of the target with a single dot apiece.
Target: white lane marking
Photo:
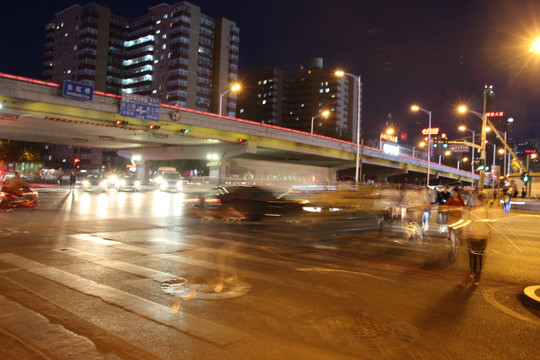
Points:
(140, 271)
(112, 243)
(186, 323)
(274, 261)
(277, 309)
(40, 333)
(181, 259)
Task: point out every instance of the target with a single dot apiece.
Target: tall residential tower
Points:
(294, 100)
(174, 53)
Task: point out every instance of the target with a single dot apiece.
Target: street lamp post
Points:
(324, 113)
(463, 128)
(417, 108)
(234, 88)
(340, 73)
(483, 116)
(529, 184)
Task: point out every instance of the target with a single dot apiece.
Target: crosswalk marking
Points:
(36, 330)
(189, 324)
(211, 265)
(140, 271)
(274, 308)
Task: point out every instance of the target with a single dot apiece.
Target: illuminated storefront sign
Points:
(434, 131)
(389, 137)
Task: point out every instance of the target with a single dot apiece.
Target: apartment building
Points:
(295, 100)
(173, 52)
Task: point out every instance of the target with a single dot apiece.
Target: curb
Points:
(531, 296)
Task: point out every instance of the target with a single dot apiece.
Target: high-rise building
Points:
(294, 100)
(174, 53)
(261, 98)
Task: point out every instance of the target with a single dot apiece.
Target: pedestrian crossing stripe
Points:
(186, 323)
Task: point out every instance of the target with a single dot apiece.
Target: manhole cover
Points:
(352, 329)
(205, 288)
(359, 326)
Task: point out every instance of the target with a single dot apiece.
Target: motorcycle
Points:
(9, 201)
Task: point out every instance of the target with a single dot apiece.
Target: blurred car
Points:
(95, 182)
(170, 181)
(124, 182)
(250, 203)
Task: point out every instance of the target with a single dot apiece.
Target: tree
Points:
(19, 151)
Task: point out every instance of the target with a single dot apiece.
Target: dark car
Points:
(250, 203)
(128, 181)
(95, 182)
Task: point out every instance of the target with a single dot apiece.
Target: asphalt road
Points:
(135, 276)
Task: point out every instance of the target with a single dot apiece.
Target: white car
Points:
(170, 181)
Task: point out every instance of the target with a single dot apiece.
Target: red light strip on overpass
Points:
(15, 77)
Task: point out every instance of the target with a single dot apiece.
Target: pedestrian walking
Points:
(507, 200)
(72, 179)
(59, 176)
(478, 233)
(524, 192)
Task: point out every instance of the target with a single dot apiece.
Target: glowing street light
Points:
(535, 47)
(417, 108)
(234, 88)
(325, 113)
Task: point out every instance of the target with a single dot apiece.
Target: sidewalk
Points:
(531, 296)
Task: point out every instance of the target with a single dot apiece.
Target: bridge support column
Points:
(382, 178)
(218, 172)
(142, 172)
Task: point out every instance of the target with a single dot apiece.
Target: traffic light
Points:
(525, 177)
(153, 127)
(242, 141)
(121, 123)
(77, 162)
(445, 140)
(435, 141)
(481, 165)
(183, 131)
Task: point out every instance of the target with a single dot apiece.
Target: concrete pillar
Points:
(142, 172)
(218, 173)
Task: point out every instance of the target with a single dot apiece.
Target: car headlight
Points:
(103, 183)
(137, 183)
(86, 183)
(122, 183)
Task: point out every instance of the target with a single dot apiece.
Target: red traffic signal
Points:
(153, 126)
(121, 123)
(242, 141)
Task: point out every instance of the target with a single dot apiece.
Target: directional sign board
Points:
(77, 91)
(140, 107)
(459, 148)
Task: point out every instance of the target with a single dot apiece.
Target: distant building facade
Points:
(174, 53)
(294, 100)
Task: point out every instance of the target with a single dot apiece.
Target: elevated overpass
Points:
(33, 110)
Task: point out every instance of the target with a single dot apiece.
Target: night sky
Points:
(435, 53)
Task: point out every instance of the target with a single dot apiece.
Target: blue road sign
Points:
(77, 91)
(140, 107)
